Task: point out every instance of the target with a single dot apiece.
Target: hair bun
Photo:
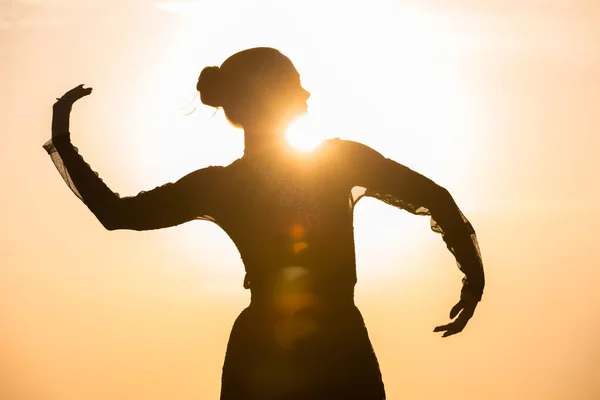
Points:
(210, 87)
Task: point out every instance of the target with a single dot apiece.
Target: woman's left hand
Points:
(464, 309)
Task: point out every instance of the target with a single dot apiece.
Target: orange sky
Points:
(496, 102)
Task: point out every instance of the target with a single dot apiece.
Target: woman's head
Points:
(257, 88)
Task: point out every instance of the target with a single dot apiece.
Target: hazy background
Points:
(498, 101)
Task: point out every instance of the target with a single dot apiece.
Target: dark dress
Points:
(291, 219)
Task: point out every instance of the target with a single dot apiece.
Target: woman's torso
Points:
(292, 224)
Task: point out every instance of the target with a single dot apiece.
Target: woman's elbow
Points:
(439, 198)
(435, 194)
(111, 220)
(110, 224)
(443, 194)
(114, 224)
(115, 215)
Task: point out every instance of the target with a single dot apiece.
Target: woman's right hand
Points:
(62, 109)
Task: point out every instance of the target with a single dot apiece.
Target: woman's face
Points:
(290, 100)
(282, 96)
(294, 96)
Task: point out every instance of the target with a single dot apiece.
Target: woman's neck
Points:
(265, 144)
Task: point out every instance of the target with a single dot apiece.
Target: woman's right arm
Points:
(191, 197)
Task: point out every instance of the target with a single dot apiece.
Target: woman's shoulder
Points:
(219, 170)
(342, 149)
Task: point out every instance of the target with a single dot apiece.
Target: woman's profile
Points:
(290, 214)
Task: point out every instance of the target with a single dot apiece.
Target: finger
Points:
(82, 93)
(75, 94)
(450, 333)
(456, 309)
(452, 329)
(460, 323)
(442, 328)
(75, 89)
(457, 327)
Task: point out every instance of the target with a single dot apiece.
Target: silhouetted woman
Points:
(290, 216)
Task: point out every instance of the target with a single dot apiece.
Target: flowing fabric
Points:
(291, 219)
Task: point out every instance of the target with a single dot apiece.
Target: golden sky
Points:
(495, 100)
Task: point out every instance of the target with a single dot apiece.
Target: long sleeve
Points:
(397, 185)
(195, 196)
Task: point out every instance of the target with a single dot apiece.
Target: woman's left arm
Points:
(398, 185)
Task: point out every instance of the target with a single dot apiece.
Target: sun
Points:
(303, 135)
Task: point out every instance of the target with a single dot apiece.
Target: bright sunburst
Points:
(303, 135)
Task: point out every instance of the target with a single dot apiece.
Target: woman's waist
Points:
(300, 290)
(300, 271)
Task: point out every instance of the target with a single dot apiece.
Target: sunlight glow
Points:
(302, 135)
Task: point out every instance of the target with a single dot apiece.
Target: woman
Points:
(290, 216)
